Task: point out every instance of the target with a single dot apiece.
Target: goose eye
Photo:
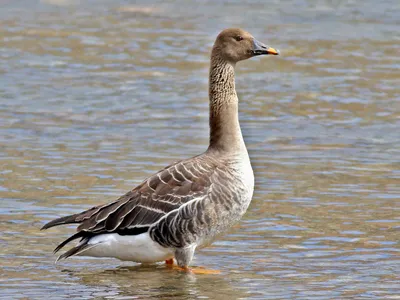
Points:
(238, 38)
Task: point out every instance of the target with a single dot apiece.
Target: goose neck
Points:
(225, 132)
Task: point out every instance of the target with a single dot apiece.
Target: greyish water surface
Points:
(97, 95)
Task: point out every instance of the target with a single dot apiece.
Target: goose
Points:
(189, 203)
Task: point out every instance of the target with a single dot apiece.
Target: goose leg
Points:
(184, 256)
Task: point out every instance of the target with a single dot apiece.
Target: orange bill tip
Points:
(273, 51)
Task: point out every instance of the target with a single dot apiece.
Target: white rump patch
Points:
(137, 248)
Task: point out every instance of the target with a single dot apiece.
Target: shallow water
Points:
(97, 95)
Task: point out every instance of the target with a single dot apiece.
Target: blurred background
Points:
(97, 95)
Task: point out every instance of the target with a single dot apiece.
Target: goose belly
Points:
(138, 248)
(225, 220)
(229, 215)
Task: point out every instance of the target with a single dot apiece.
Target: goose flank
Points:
(189, 203)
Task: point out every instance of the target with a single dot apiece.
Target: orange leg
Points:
(169, 262)
(202, 271)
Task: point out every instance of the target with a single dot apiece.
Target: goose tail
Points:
(78, 249)
(61, 221)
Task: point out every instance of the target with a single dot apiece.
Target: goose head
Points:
(235, 44)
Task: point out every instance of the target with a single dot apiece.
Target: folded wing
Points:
(157, 196)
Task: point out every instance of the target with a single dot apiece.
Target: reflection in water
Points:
(141, 281)
(93, 98)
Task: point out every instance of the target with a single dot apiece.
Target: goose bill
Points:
(262, 49)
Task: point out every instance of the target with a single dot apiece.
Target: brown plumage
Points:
(139, 208)
(187, 204)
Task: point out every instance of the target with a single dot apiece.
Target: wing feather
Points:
(155, 198)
